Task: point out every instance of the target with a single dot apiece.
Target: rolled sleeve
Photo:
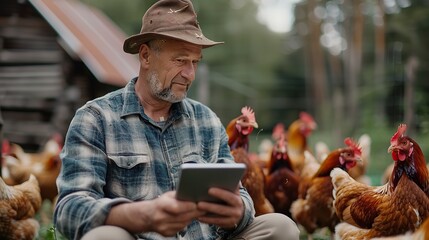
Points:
(77, 217)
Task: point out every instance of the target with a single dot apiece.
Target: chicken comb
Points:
(247, 111)
(306, 117)
(399, 133)
(353, 145)
(5, 147)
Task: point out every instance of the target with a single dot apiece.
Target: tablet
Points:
(196, 179)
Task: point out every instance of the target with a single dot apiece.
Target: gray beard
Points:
(165, 94)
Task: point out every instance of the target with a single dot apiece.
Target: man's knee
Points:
(282, 226)
(108, 233)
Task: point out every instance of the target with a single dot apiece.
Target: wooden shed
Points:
(54, 56)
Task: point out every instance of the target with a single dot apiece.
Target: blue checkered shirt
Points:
(115, 154)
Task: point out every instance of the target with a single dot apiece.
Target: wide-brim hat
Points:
(169, 18)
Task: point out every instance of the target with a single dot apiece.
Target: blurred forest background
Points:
(357, 66)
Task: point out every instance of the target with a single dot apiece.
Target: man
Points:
(123, 151)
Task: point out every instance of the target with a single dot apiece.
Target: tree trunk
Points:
(353, 64)
(380, 60)
(316, 62)
(411, 67)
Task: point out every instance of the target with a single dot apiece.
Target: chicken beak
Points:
(254, 124)
(391, 148)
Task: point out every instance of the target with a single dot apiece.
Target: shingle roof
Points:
(91, 36)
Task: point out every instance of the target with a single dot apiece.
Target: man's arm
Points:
(164, 215)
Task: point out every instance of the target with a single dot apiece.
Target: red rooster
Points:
(314, 209)
(399, 206)
(238, 131)
(281, 184)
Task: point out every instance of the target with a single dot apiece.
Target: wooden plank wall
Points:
(31, 74)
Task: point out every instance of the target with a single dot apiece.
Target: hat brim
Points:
(133, 43)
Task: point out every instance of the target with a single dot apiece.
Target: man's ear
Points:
(144, 54)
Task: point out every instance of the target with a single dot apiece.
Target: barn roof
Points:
(92, 37)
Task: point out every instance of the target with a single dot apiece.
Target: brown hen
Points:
(399, 206)
(297, 134)
(44, 165)
(238, 131)
(314, 210)
(281, 184)
(18, 205)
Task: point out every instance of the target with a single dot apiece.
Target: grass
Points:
(47, 230)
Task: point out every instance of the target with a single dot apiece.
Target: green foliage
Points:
(127, 15)
(49, 233)
(270, 71)
(47, 230)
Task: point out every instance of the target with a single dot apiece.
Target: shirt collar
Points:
(132, 103)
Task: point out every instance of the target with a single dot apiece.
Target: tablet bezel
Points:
(196, 178)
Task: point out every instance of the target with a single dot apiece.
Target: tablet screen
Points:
(197, 178)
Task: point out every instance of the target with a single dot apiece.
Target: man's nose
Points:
(189, 70)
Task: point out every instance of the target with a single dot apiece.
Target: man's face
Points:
(173, 65)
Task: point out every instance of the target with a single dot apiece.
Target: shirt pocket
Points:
(130, 176)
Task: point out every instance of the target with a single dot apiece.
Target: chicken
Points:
(395, 208)
(18, 206)
(313, 209)
(240, 128)
(281, 185)
(238, 131)
(44, 165)
(359, 171)
(297, 134)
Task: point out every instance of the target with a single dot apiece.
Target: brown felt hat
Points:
(170, 18)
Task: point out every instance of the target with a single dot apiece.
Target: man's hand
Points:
(165, 215)
(226, 215)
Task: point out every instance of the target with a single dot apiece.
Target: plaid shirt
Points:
(114, 154)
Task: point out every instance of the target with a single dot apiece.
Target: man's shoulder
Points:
(111, 100)
(196, 107)
(108, 97)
